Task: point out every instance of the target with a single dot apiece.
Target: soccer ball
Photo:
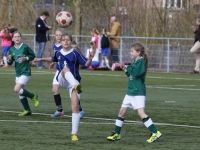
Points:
(64, 19)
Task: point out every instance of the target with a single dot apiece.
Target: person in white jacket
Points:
(95, 61)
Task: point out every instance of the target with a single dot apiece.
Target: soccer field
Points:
(172, 102)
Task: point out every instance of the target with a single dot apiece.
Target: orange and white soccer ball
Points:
(64, 19)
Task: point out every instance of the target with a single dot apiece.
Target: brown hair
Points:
(45, 13)
(104, 30)
(140, 48)
(93, 46)
(66, 34)
(7, 33)
(75, 45)
(15, 33)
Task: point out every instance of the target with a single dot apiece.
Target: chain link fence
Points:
(165, 54)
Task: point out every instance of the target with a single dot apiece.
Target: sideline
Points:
(92, 118)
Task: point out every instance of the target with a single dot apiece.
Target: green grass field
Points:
(172, 103)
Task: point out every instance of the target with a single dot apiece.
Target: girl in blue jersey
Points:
(136, 93)
(55, 85)
(68, 76)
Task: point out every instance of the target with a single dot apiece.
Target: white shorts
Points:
(134, 102)
(22, 79)
(65, 84)
(54, 79)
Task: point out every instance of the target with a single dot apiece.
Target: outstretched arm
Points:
(88, 62)
(48, 59)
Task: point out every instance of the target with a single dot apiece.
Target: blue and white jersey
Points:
(57, 47)
(72, 59)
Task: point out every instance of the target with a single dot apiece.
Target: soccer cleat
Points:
(74, 137)
(35, 100)
(77, 88)
(6, 66)
(194, 72)
(154, 136)
(114, 136)
(25, 113)
(57, 114)
(81, 113)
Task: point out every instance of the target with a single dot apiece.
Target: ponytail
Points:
(146, 60)
(140, 48)
(7, 33)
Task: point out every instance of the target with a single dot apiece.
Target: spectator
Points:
(114, 42)
(104, 49)
(95, 60)
(196, 46)
(6, 43)
(95, 37)
(42, 35)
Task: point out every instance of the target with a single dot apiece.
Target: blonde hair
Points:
(94, 30)
(140, 48)
(61, 30)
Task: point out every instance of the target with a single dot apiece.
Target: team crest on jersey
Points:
(59, 57)
(18, 58)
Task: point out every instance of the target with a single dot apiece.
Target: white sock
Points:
(5, 60)
(70, 78)
(102, 62)
(21, 91)
(75, 123)
(107, 63)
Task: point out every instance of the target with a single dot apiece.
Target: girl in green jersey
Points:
(136, 93)
(22, 54)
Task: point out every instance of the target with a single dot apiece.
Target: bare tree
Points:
(77, 28)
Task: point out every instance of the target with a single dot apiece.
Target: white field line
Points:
(173, 85)
(91, 74)
(155, 86)
(171, 88)
(92, 118)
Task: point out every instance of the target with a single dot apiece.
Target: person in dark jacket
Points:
(196, 47)
(42, 35)
(105, 48)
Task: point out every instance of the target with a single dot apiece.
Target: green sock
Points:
(25, 104)
(152, 128)
(118, 124)
(27, 94)
(149, 124)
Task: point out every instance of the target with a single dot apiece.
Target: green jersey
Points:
(21, 68)
(136, 73)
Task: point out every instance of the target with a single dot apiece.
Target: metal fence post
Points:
(120, 55)
(168, 56)
(34, 43)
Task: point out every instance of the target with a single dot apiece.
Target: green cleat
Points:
(25, 113)
(77, 88)
(114, 136)
(74, 137)
(154, 137)
(35, 100)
